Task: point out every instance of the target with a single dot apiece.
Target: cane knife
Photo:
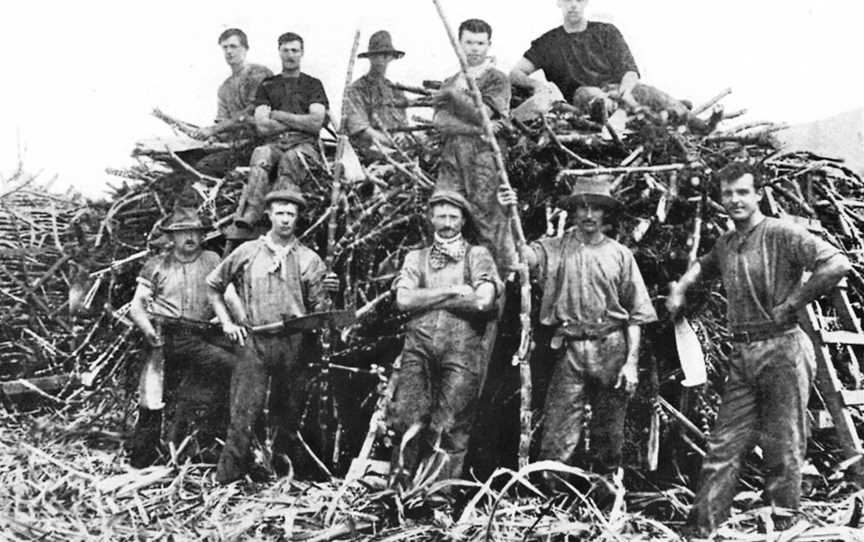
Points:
(522, 354)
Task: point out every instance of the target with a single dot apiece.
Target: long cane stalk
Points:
(521, 356)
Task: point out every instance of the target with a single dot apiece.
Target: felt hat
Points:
(380, 43)
(595, 191)
(291, 195)
(183, 218)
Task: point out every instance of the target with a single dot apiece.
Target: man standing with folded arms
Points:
(761, 263)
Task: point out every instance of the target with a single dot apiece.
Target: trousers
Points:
(764, 401)
(585, 373)
(263, 357)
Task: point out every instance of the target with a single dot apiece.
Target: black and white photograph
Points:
(432, 270)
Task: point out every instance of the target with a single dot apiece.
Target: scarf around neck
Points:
(445, 251)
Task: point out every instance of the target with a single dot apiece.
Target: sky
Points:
(82, 77)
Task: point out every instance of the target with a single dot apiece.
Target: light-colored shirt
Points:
(371, 104)
(590, 289)
(272, 285)
(236, 95)
(178, 288)
(761, 267)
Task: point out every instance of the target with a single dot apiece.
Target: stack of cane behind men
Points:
(662, 176)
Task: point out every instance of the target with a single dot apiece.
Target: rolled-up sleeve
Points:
(410, 275)
(483, 269)
(227, 270)
(634, 295)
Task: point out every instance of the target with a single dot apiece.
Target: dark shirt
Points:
(762, 267)
(595, 57)
(292, 95)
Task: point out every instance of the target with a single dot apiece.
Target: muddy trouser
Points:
(468, 166)
(220, 163)
(645, 95)
(586, 372)
(205, 365)
(438, 388)
(765, 402)
(276, 356)
(293, 163)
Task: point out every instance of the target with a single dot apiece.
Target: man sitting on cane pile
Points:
(771, 366)
(453, 286)
(171, 288)
(235, 104)
(277, 278)
(595, 299)
(372, 100)
(467, 163)
(592, 66)
(290, 107)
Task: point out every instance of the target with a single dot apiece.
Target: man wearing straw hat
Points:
(171, 286)
(277, 278)
(771, 367)
(372, 100)
(467, 163)
(453, 288)
(595, 300)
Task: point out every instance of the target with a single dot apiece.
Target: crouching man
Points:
(171, 288)
(596, 301)
(453, 287)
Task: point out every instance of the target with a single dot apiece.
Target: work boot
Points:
(252, 202)
(144, 448)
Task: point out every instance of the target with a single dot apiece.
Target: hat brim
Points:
(392, 52)
(594, 200)
(184, 227)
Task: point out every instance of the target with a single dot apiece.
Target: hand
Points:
(675, 299)
(235, 333)
(331, 282)
(498, 126)
(507, 196)
(443, 96)
(204, 133)
(628, 378)
(784, 313)
(153, 338)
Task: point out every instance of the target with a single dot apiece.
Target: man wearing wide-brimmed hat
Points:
(595, 300)
(453, 288)
(277, 278)
(372, 100)
(171, 286)
(467, 161)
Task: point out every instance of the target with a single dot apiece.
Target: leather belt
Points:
(761, 334)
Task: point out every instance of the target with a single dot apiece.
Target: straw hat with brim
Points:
(287, 195)
(593, 192)
(182, 219)
(381, 44)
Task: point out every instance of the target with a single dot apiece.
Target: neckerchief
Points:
(475, 71)
(280, 253)
(446, 250)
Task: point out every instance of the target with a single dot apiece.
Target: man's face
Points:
(187, 242)
(291, 52)
(233, 50)
(589, 219)
(573, 10)
(476, 46)
(447, 220)
(379, 63)
(740, 198)
(283, 218)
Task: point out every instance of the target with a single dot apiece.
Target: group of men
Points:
(594, 298)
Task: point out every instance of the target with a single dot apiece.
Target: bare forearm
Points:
(217, 301)
(634, 336)
(139, 316)
(465, 110)
(308, 123)
(690, 278)
(422, 298)
(824, 278)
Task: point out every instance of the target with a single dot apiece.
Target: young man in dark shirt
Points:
(290, 108)
(592, 65)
